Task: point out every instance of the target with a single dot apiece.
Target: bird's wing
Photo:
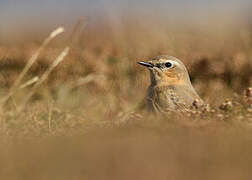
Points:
(176, 98)
(172, 98)
(186, 95)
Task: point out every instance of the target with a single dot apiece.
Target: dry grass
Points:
(96, 95)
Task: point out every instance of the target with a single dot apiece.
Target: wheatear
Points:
(170, 88)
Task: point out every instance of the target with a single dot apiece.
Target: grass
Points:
(91, 105)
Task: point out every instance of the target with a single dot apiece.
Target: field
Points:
(87, 119)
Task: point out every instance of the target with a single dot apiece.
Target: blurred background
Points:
(19, 17)
(93, 100)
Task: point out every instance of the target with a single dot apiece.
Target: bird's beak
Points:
(145, 64)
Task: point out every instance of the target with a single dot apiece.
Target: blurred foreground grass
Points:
(131, 153)
(93, 101)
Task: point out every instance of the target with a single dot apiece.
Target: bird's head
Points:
(167, 70)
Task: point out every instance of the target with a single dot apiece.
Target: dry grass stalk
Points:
(30, 62)
(30, 82)
(89, 78)
(76, 33)
(60, 58)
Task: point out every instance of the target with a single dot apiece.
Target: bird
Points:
(170, 88)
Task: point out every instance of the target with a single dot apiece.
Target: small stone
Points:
(248, 92)
(226, 106)
(206, 108)
(196, 103)
(248, 96)
(220, 115)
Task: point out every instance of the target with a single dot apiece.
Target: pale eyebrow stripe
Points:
(174, 62)
(166, 60)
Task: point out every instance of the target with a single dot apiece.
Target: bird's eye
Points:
(168, 64)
